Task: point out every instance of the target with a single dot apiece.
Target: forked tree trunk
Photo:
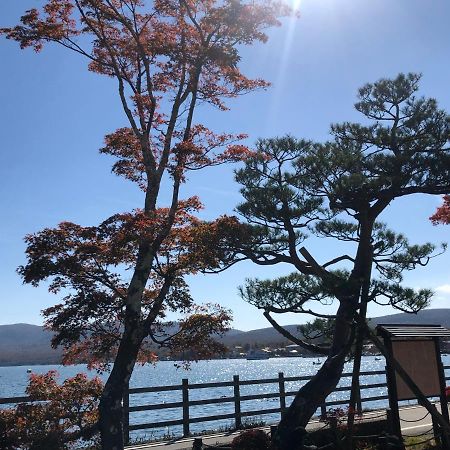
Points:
(312, 395)
(110, 407)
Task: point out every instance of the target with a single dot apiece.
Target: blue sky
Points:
(54, 114)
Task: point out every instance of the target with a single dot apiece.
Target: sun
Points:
(296, 4)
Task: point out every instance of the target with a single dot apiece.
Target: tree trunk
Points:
(110, 407)
(312, 395)
(306, 402)
(356, 391)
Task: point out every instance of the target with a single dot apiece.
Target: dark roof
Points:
(412, 331)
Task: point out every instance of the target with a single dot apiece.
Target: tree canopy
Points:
(90, 264)
(296, 189)
(122, 277)
(298, 193)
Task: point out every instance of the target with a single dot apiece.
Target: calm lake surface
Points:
(13, 381)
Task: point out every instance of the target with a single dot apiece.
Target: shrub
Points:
(251, 440)
(60, 416)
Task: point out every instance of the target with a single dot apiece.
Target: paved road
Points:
(414, 421)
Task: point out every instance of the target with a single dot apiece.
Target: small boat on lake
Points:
(257, 354)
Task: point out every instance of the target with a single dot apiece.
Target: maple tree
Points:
(58, 416)
(167, 56)
(297, 191)
(442, 214)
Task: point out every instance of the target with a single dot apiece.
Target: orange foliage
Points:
(166, 58)
(442, 215)
(123, 277)
(60, 416)
(91, 263)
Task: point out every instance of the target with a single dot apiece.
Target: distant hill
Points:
(24, 344)
(426, 317)
(266, 336)
(261, 336)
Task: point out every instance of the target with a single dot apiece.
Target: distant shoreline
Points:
(166, 360)
(30, 345)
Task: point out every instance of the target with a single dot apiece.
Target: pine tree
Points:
(296, 190)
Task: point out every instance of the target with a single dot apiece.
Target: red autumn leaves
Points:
(442, 214)
(58, 416)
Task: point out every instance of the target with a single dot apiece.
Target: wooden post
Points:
(437, 433)
(198, 444)
(126, 414)
(359, 402)
(445, 437)
(323, 411)
(185, 393)
(237, 402)
(390, 421)
(394, 418)
(282, 392)
(335, 433)
(355, 391)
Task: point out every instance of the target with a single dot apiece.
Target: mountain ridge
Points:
(27, 344)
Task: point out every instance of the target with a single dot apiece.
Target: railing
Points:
(14, 400)
(237, 398)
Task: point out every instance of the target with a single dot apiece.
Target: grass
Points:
(411, 443)
(417, 443)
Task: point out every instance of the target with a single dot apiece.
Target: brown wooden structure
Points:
(280, 391)
(237, 399)
(417, 349)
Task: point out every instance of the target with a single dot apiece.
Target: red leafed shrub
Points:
(447, 392)
(251, 440)
(61, 416)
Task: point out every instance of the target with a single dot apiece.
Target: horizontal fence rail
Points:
(237, 398)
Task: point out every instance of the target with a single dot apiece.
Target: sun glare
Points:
(296, 5)
(291, 25)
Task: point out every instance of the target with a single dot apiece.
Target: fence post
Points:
(126, 413)
(282, 392)
(437, 433)
(185, 393)
(390, 421)
(323, 411)
(358, 401)
(237, 402)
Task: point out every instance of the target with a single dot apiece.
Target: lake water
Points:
(13, 381)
